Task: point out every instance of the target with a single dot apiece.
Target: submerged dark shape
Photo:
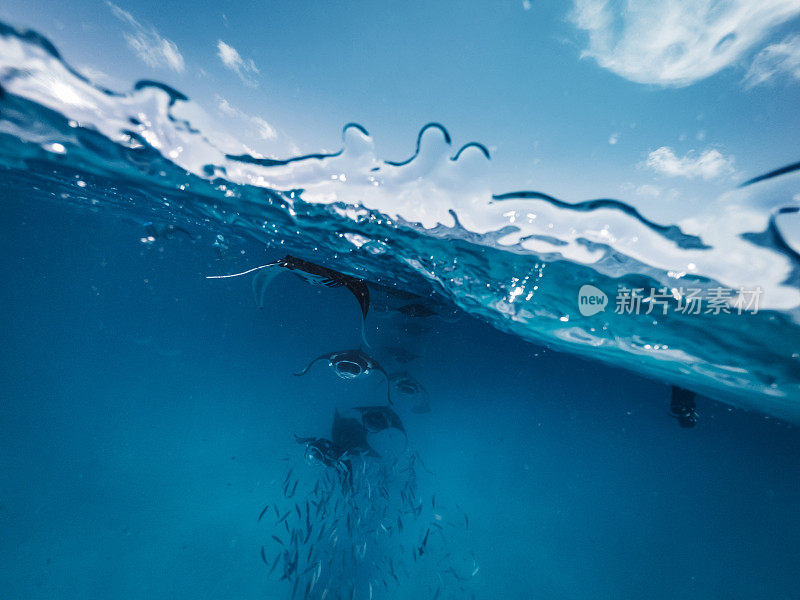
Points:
(682, 407)
(156, 231)
(359, 429)
(350, 435)
(407, 385)
(400, 354)
(417, 310)
(309, 272)
(391, 301)
(320, 450)
(349, 364)
(378, 418)
(327, 453)
(399, 294)
(350, 438)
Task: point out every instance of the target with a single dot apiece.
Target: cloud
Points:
(710, 164)
(148, 45)
(648, 190)
(775, 60)
(675, 42)
(98, 77)
(265, 130)
(226, 108)
(613, 138)
(262, 128)
(231, 58)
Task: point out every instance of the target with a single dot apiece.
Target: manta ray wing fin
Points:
(360, 290)
(319, 275)
(304, 371)
(261, 281)
(388, 382)
(364, 334)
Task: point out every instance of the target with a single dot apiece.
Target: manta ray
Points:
(350, 436)
(408, 386)
(349, 364)
(309, 272)
(400, 354)
(156, 231)
(375, 419)
(368, 427)
(682, 407)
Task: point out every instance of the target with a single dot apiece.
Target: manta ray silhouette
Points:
(408, 386)
(400, 354)
(417, 310)
(156, 231)
(350, 435)
(349, 364)
(365, 425)
(682, 407)
(375, 419)
(309, 272)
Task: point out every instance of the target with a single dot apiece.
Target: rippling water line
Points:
(430, 222)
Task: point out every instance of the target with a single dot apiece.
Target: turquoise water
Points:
(149, 414)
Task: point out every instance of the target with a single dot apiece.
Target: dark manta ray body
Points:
(417, 310)
(310, 273)
(408, 386)
(378, 425)
(319, 275)
(400, 354)
(350, 436)
(349, 364)
(320, 450)
(375, 419)
(682, 407)
(325, 452)
(156, 231)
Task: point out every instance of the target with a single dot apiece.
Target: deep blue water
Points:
(148, 416)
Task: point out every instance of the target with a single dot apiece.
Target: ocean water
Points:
(150, 414)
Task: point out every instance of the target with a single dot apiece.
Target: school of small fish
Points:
(353, 536)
